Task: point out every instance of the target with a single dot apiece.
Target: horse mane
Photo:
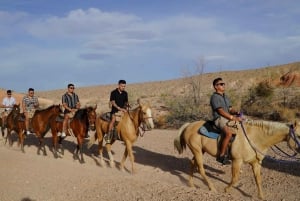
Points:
(80, 113)
(48, 108)
(268, 126)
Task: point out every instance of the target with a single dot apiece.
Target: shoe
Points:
(29, 133)
(107, 138)
(223, 159)
(63, 134)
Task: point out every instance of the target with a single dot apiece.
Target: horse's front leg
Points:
(128, 151)
(41, 145)
(62, 150)
(235, 169)
(21, 140)
(81, 153)
(54, 145)
(256, 167)
(110, 155)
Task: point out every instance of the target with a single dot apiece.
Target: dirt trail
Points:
(161, 175)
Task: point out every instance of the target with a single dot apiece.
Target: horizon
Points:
(48, 44)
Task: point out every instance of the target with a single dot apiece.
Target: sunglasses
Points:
(222, 84)
(71, 88)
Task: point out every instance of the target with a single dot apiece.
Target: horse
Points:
(128, 131)
(253, 139)
(84, 120)
(40, 124)
(13, 124)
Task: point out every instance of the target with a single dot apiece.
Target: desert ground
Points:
(161, 174)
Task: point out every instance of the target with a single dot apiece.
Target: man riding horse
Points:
(119, 102)
(222, 114)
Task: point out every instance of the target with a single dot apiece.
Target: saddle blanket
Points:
(208, 130)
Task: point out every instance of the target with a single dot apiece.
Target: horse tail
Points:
(179, 142)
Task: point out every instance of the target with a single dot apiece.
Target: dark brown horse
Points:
(128, 130)
(13, 124)
(83, 121)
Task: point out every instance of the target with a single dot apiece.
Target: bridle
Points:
(142, 128)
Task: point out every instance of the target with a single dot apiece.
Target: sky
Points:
(46, 44)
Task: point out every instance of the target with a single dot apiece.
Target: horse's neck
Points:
(266, 134)
(134, 115)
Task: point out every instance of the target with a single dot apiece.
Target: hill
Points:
(238, 82)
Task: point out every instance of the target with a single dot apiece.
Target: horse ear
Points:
(95, 107)
(138, 101)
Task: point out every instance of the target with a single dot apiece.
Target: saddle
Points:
(107, 116)
(210, 130)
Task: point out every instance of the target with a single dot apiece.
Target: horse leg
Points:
(199, 160)
(100, 151)
(192, 168)
(41, 146)
(123, 159)
(60, 139)
(81, 153)
(236, 166)
(54, 145)
(256, 167)
(21, 140)
(110, 155)
(131, 156)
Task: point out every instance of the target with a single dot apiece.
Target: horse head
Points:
(146, 115)
(15, 110)
(293, 138)
(92, 116)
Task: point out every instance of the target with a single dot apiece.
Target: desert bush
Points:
(262, 102)
(183, 109)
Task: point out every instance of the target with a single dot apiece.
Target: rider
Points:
(30, 103)
(70, 102)
(222, 114)
(8, 102)
(119, 102)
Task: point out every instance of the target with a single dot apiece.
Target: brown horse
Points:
(253, 139)
(83, 121)
(40, 124)
(128, 130)
(13, 124)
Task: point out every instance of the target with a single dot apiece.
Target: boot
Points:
(108, 136)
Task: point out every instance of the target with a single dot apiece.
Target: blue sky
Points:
(48, 44)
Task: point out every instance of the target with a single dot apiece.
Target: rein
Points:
(291, 134)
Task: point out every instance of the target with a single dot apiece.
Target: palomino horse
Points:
(83, 121)
(253, 139)
(127, 129)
